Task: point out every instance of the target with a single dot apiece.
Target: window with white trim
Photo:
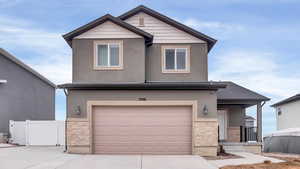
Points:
(108, 55)
(176, 59)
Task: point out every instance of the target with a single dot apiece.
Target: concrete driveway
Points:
(54, 158)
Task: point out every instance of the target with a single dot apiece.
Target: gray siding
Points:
(198, 72)
(24, 96)
(133, 56)
(80, 98)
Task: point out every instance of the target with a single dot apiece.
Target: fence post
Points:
(11, 132)
(27, 133)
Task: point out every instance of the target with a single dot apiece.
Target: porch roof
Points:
(236, 94)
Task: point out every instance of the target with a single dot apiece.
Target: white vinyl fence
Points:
(37, 133)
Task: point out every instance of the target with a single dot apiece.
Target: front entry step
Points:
(253, 147)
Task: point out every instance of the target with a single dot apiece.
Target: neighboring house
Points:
(288, 113)
(140, 86)
(24, 93)
(249, 121)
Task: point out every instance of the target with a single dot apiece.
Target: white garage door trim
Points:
(90, 104)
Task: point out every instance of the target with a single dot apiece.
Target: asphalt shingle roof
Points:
(237, 92)
(288, 100)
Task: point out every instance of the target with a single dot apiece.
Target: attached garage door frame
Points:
(91, 104)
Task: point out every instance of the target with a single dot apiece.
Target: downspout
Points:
(147, 64)
(66, 94)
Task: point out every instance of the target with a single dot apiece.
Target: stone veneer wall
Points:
(234, 134)
(205, 137)
(78, 135)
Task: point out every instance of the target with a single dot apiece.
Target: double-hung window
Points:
(175, 59)
(108, 55)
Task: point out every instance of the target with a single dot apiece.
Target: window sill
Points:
(176, 71)
(107, 68)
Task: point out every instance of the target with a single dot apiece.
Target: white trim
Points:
(3, 81)
(224, 114)
(175, 70)
(108, 43)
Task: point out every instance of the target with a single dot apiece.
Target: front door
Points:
(222, 120)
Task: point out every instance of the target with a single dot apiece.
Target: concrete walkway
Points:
(248, 158)
(3, 145)
(54, 158)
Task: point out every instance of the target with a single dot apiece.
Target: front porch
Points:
(235, 133)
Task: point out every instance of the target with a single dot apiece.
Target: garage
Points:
(136, 129)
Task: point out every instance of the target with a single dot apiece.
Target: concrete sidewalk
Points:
(248, 158)
(54, 158)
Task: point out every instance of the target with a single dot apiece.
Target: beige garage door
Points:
(142, 130)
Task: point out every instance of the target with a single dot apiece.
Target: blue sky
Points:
(258, 40)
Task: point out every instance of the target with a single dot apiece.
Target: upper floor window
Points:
(108, 55)
(175, 59)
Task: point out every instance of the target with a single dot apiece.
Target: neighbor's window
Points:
(108, 55)
(175, 59)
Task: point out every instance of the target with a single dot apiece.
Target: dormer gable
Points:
(108, 21)
(160, 21)
(108, 30)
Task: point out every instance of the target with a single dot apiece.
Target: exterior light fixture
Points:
(3, 81)
(77, 110)
(205, 110)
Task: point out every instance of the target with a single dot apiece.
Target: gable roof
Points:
(288, 100)
(69, 36)
(238, 93)
(210, 41)
(24, 66)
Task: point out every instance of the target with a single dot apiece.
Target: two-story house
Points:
(140, 86)
(288, 113)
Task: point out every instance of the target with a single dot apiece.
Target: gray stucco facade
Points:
(24, 96)
(198, 60)
(80, 98)
(133, 56)
(141, 63)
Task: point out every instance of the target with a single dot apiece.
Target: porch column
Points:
(259, 121)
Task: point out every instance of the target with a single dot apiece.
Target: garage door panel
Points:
(149, 130)
(142, 149)
(142, 130)
(145, 138)
(134, 121)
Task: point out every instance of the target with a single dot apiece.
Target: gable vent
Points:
(141, 21)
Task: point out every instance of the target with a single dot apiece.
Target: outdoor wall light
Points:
(77, 110)
(205, 110)
(3, 81)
